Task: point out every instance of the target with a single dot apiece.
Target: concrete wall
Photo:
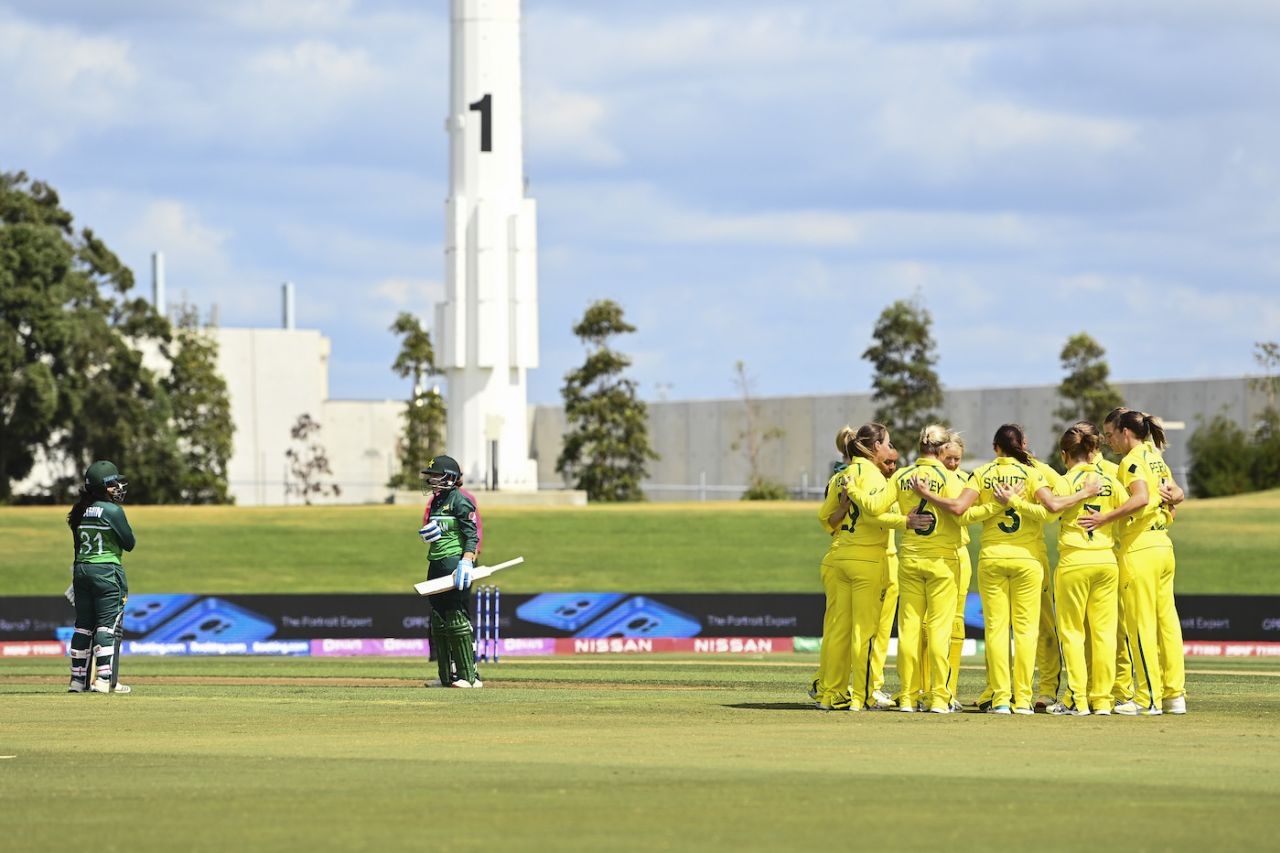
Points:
(695, 438)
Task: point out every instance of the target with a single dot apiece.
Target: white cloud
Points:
(566, 125)
(60, 84)
(414, 295)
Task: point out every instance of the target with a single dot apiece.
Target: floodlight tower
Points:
(487, 327)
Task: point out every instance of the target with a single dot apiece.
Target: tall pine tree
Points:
(905, 387)
(607, 448)
(423, 435)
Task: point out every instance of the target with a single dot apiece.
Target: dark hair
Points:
(76, 515)
(1080, 441)
(1144, 426)
(1114, 415)
(867, 435)
(1012, 441)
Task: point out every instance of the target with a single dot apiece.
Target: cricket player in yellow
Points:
(1086, 583)
(834, 507)
(951, 457)
(854, 575)
(1009, 569)
(880, 700)
(927, 573)
(1048, 647)
(1146, 553)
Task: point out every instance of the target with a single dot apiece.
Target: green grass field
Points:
(652, 754)
(1224, 545)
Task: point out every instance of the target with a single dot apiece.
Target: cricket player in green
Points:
(101, 534)
(450, 530)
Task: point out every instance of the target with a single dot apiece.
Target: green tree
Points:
(308, 462)
(606, 449)
(1265, 465)
(1086, 392)
(201, 411)
(905, 387)
(752, 439)
(423, 435)
(1220, 459)
(72, 382)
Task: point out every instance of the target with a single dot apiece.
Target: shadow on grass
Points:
(773, 706)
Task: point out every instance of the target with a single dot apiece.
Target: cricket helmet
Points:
(441, 474)
(103, 479)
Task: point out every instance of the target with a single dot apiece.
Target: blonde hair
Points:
(843, 438)
(954, 437)
(866, 436)
(933, 438)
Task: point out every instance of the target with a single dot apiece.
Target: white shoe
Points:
(103, 685)
(1102, 712)
(940, 709)
(879, 697)
(1151, 712)
(1176, 705)
(460, 683)
(999, 709)
(77, 686)
(907, 709)
(1023, 711)
(1127, 709)
(475, 685)
(956, 707)
(1058, 709)
(1043, 703)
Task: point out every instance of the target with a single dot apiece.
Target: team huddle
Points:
(1100, 627)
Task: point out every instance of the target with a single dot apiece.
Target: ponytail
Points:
(1080, 441)
(863, 440)
(843, 439)
(77, 511)
(1155, 428)
(1010, 440)
(933, 438)
(1144, 426)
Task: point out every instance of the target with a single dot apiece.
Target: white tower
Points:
(487, 327)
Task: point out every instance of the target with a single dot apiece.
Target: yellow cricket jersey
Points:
(1149, 526)
(1015, 531)
(831, 499)
(1054, 481)
(1078, 547)
(869, 495)
(944, 536)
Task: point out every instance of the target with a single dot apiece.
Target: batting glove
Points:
(462, 574)
(430, 532)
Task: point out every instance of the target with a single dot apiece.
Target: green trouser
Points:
(101, 592)
(452, 638)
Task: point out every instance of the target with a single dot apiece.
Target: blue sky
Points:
(750, 180)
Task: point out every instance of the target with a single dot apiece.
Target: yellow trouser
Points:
(888, 610)
(964, 571)
(1048, 650)
(1139, 590)
(848, 629)
(1086, 596)
(1169, 626)
(926, 607)
(1123, 690)
(1010, 590)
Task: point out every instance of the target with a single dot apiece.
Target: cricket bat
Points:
(445, 584)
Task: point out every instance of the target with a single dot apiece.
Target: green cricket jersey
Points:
(456, 515)
(103, 535)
